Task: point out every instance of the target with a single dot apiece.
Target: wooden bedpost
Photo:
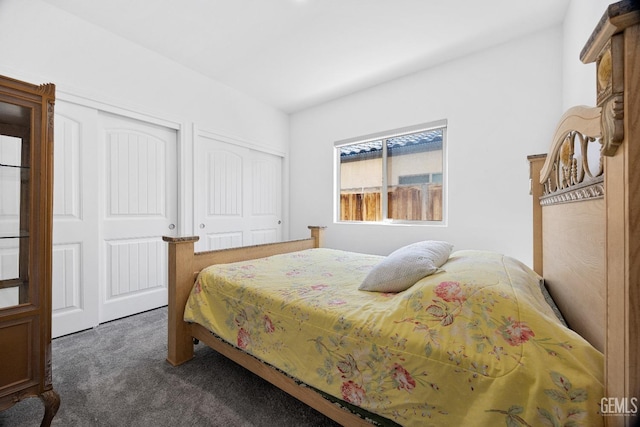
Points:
(181, 270)
(317, 233)
(535, 166)
(615, 48)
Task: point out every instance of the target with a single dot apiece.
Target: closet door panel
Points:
(139, 204)
(238, 194)
(266, 198)
(75, 220)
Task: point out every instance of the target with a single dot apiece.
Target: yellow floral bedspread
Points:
(473, 345)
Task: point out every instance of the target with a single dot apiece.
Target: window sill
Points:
(397, 223)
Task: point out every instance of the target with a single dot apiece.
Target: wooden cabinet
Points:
(26, 167)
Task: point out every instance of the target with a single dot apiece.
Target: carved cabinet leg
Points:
(51, 401)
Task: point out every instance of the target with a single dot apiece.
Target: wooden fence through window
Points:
(405, 202)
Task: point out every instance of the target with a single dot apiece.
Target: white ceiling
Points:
(294, 54)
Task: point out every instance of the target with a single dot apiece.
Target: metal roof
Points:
(420, 141)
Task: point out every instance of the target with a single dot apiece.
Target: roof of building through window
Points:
(432, 138)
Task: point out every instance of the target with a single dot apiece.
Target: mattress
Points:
(475, 342)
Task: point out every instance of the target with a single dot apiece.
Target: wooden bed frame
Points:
(586, 228)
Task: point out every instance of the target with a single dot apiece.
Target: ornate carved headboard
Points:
(586, 208)
(571, 222)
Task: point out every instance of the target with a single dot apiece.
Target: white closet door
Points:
(238, 195)
(139, 173)
(75, 220)
(265, 212)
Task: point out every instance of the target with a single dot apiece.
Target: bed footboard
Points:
(184, 265)
(181, 273)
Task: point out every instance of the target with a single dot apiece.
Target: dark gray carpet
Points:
(116, 375)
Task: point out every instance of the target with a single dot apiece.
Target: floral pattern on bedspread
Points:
(475, 343)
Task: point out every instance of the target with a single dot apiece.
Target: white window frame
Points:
(439, 124)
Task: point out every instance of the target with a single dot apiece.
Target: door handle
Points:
(172, 226)
(201, 225)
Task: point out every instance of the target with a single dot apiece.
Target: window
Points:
(397, 176)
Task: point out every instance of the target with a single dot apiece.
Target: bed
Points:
(465, 342)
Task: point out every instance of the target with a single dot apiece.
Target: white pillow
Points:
(405, 266)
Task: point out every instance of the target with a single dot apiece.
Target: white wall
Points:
(502, 104)
(41, 43)
(579, 80)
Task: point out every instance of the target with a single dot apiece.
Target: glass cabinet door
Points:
(15, 173)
